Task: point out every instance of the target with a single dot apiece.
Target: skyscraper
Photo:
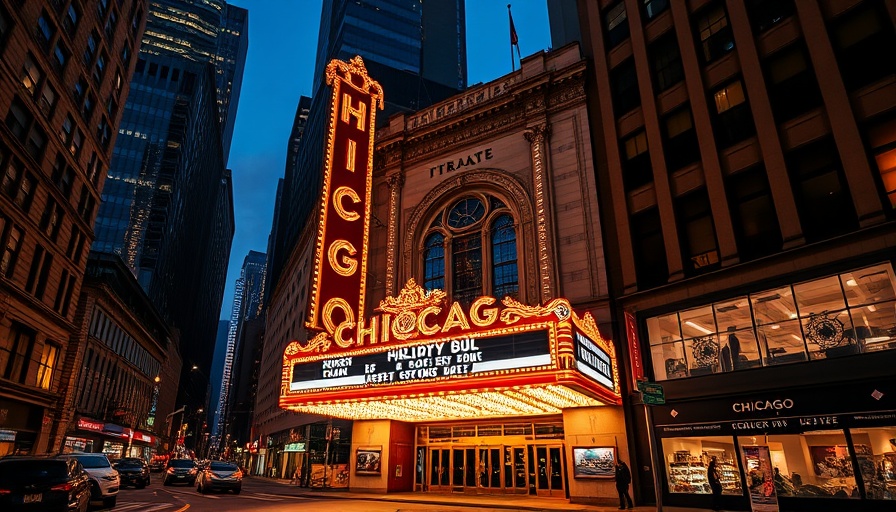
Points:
(416, 51)
(65, 69)
(168, 206)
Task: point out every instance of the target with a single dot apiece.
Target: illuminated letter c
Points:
(337, 203)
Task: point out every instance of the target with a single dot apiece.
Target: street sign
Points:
(651, 393)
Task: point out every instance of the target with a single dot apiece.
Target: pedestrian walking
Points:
(623, 479)
(715, 483)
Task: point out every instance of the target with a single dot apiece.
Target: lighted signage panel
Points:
(594, 361)
(340, 266)
(455, 358)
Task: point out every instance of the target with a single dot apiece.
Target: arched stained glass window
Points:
(505, 277)
(434, 262)
(480, 235)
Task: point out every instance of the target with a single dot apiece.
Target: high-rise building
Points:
(247, 305)
(211, 31)
(168, 207)
(416, 50)
(65, 72)
(746, 155)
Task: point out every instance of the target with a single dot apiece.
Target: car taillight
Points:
(62, 487)
(5, 491)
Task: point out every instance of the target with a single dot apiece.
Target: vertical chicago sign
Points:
(340, 262)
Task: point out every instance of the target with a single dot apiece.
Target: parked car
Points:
(104, 478)
(180, 470)
(133, 471)
(33, 483)
(220, 476)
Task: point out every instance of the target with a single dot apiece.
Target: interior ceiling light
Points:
(469, 404)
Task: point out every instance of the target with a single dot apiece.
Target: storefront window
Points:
(812, 465)
(688, 457)
(876, 454)
(834, 316)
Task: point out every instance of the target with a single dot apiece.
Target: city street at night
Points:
(273, 495)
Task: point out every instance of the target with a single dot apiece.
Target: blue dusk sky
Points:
(279, 68)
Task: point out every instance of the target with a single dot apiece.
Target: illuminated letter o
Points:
(332, 305)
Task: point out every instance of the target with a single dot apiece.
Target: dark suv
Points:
(180, 470)
(56, 483)
(133, 471)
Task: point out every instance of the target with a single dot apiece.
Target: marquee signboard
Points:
(423, 357)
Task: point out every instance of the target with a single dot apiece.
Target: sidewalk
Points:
(503, 501)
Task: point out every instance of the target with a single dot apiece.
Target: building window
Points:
(680, 139)
(45, 30)
(434, 262)
(653, 8)
(765, 14)
(64, 293)
(753, 214)
(616, 23)
(99, 70)
(505, 276)
(47, 101)
(732, 117)
(75, 245)
(92, 44)
(15, 353)
(60, 56)
(834, 316)
(466, 227)
(636, 168)
(651, 267)
(624, 81)
(792, 85)
(822, 197)
(5, 23)
(51, 219)
(31, 76)
(12, 244)
(70, 21)
(666, 61)
(688, 459)
(858, 37)
(18, 184)
(102, 6)
(71, 135)
(46, 365)
(716, 38)
(40, 270)
(111, 22)
(697, 232)
(104, 132)
(18, 120)
(63, 175)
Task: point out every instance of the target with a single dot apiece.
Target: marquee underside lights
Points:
(423, 357)
(467, 404)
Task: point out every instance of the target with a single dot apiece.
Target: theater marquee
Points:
(423, 357)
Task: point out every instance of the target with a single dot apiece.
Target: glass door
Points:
(463, 468)
(549, 471)
(439, 469)
(515, 469)
(489, 469)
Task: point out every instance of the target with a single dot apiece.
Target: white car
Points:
(104, 479)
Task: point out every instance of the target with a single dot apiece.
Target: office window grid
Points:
(105, 329)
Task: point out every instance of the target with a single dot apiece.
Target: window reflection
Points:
(834, 316)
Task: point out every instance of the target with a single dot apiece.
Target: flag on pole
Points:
(514, 39)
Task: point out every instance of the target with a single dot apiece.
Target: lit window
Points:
(47, 365)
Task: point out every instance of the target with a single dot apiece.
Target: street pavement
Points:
(277, 495)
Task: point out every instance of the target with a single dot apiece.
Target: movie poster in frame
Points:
(594, 461)
(368, 461)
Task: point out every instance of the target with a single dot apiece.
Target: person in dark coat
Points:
(713, 474)
(623, 479)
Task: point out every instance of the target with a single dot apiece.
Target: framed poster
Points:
(367, 461)
(594, 462)
(831, 461)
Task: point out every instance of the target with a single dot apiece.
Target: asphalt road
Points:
(257, 494)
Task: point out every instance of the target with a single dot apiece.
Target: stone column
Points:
(536, 136)
(396, 182)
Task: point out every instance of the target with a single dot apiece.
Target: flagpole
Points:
(512, 33)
